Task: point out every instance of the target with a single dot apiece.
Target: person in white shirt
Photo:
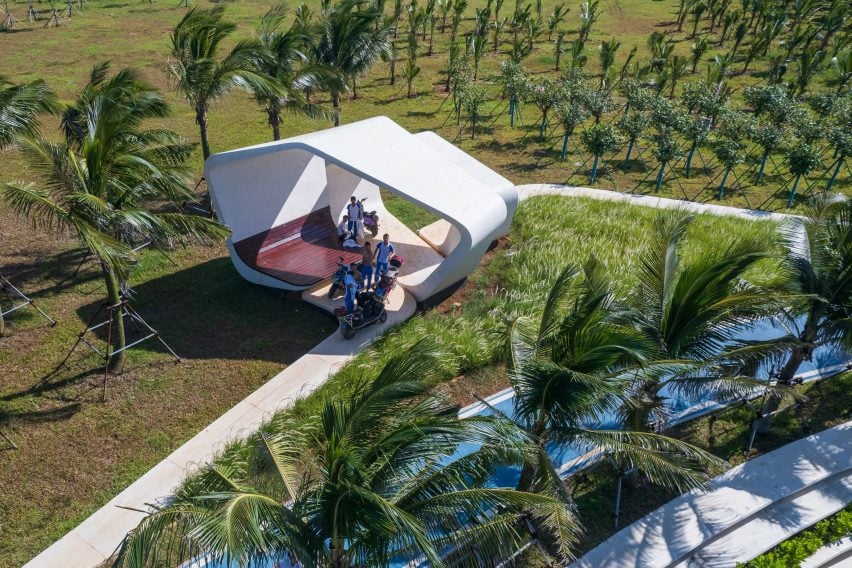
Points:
(384, 250)
(354, 211)
(350, 284)
(342, 227)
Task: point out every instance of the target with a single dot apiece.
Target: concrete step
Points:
(675, 531)
(774, 524)
(835, 555)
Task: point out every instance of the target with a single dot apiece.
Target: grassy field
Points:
(75, 453)
(135, 34)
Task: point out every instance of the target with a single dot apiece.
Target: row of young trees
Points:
(391, 473)
(773, 123)
(574, 102)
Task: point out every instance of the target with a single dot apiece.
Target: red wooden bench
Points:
(300, 252)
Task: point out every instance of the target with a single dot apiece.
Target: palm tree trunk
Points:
(337, 559)
(201, 119)
(335, 105)
(116, 363)
(2, 323)
(274, 113)
(354, 89)
(529, 470)
(788, 371)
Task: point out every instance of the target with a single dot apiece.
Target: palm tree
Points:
(352, 37)
(606, 51)
(376, 477)
(97, 182)
(820, 257)
(201, 77)
(572, 366)
(288, 65)
(20, 107)
(694, 312)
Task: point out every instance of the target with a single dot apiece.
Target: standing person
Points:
(384, 250)
(354, 211)
(367, 266)
(351, 287)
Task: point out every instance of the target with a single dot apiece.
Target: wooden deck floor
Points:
(301, 252)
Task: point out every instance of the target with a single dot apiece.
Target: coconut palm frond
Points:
(36, 205)
(20, 109)
(664, 460)
(158, 536)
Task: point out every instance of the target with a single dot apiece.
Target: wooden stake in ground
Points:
(32, 13)
(9, 21)
(53, 21)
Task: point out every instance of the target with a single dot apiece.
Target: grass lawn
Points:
(136, 34)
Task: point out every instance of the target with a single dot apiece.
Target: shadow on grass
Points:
(56, 382)
(208, 311)
(37, 416)
(63, 270)
(421, 113)
(631, 165)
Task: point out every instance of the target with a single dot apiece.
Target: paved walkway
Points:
(744, 512)
(96, 538)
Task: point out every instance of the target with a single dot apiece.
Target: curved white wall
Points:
(256, 188)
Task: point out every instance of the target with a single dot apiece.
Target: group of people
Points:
(374, 261)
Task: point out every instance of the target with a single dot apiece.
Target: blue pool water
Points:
(573, 458)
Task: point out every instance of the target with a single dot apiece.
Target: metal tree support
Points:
(107, 354)
(12, 445)
(23, 300)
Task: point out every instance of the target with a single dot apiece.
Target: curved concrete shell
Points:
(258, 188)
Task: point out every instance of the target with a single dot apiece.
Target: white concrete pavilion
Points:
(283, 201)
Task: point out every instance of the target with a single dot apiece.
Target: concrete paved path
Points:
(744, 512)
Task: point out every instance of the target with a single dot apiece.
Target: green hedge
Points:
(792, 552)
